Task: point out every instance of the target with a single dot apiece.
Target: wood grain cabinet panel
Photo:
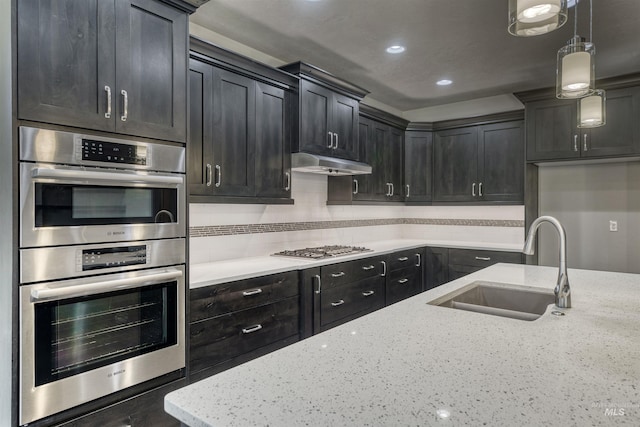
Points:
(116, 66)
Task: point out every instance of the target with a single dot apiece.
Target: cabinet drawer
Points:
(219, 299)
(216, 340)
(403, 283)
(343, 301)
(404, 259)
(482, 258)
(352, 271)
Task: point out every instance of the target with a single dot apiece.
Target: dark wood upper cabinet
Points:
(418, 166)
(327, 113)
(239, 147)
(151, 67)
(273, 142)
(234, 120)
(328, 122)
(480, 163)
(501, 162)
(456, 165)
(552, 132)
(117, 66)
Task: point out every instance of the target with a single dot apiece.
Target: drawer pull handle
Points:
(403, 259)
(251, 329)
(252, 292)
(368, 293)
(337, 303)
(403, 281)
(368, 267)
(483, 258)
(337, 274)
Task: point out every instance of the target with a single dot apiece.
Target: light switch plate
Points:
(613, 225)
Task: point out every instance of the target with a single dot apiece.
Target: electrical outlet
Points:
(613, 225)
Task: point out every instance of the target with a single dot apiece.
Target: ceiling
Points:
(462, 40)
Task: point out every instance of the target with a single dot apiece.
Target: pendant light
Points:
(592, 110)
(534, 17)
(576, 66)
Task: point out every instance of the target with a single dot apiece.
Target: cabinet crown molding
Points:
(326, 79)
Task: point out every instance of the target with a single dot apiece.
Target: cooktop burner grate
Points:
(323, 252)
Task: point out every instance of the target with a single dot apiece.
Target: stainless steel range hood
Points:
(313, 163)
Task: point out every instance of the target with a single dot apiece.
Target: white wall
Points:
(310, 194)
(585, 198)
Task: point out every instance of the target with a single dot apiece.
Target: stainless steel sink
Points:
(499, 299)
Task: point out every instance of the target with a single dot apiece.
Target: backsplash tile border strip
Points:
(279, 227)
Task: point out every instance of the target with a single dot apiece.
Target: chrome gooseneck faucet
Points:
(562, 289)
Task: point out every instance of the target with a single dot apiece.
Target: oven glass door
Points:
(79, 334)
(79, 205)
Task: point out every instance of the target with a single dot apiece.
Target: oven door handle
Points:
(47, 294)
(85, 175)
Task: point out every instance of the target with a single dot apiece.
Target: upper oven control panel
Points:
(112, 152)
(52, 146)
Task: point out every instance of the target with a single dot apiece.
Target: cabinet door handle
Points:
(480, 189)
(107, 114)
(337, 303)
(335, 143)
(125, 98)
(575, 142)
(368, 267)
(330, 138)
(337, 274)
(419, 260)
(473, 189)
(251, 329)
(318, 283)
(368, 293)
(219, 176)
(384, 268)
(355, 186)
(252, 292)
(584, 142)
(287, 176)
(403, 281)
(209, 175)
(392, 189)
(408, 191)
(403, 259)
(483, 258)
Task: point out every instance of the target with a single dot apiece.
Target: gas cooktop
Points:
(321, 252)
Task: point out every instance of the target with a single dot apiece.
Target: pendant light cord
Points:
(591, 21)
(575, 20)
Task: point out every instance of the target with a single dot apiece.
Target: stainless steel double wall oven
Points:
(102, 266)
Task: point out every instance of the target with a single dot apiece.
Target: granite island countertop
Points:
(213, 273)
(402, 364)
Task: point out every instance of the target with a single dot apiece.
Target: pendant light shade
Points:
(535, 17)
(592, 110)
(576, 69)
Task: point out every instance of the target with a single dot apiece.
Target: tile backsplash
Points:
(226, 231)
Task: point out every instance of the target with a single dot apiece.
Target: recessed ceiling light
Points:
(396, 49)
(444, 82)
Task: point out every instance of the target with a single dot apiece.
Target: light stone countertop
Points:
(214, 273)
(399, 365)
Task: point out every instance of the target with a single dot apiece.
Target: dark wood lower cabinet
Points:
(226, 337)
(142, 410)
(231, 323)
(444, 265)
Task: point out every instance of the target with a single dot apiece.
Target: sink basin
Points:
(499, 299)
